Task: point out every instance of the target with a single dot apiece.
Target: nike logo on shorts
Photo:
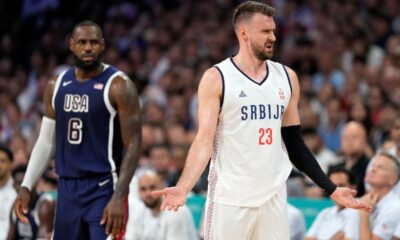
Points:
(103, 182)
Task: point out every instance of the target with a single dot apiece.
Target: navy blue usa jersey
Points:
(88, 137)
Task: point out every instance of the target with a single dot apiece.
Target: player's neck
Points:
(83, 76)
(250, 65)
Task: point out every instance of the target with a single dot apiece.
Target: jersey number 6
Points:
(75, 130)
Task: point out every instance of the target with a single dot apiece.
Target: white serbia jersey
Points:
(249, 163)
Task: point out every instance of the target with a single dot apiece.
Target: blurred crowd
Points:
(346, 54)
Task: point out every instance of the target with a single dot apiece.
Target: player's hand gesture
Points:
(21, 204)
(114, 216)
(345, 197)
(174, 197)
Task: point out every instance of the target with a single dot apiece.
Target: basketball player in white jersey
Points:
(247, 110)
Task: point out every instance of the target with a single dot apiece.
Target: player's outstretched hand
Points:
(345, 197)
(113, 216)
(174, 197)
(21, 204)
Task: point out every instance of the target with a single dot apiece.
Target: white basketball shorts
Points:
(269, 221)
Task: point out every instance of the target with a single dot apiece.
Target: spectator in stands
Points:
(324, 156)
(179, 154)
(353, 146)
(359, 112)
(160, 161)
(40, 213)
(177, 134)
(328, 73)
(147, 221)
(331, 130)
(381, 131)
(375, 101)
(297, 225)
(333, 222)
(394, 139)
(382, 222)
(7, 191)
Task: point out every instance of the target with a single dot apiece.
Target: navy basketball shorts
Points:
(80, 205)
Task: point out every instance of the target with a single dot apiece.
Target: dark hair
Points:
(19, 169)
(87, 23)
(248, 8)
(339, 169)
(5, 149)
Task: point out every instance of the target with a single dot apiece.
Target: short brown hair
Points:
(248, 8)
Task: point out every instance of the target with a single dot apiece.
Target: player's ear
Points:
(103, 44)
(243, 34)
(71, 44)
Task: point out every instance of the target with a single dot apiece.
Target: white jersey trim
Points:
(288, 78)
(221, 102)
(113, 113)
(56, 87)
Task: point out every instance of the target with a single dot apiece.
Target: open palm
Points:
(174, 197)
(345, 197)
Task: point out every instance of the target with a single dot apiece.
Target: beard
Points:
(152, 204)
(87, 66)
(259, 52)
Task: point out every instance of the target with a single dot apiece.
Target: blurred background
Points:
(346, 54)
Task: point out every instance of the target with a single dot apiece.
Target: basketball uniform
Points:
(88, 153)
(249, 164)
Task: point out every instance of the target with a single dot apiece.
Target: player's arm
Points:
(46, 219)
(209, 94)
(124, 97)
(41, 154)
(301, 156)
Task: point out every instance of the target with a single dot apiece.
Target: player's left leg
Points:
(101, 191)
(273, 223)
(93, 217)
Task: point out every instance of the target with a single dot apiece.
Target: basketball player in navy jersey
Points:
(92, 121)
(247, 110)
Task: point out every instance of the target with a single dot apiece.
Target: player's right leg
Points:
(272, 222)
(68, 220)
(229, 222)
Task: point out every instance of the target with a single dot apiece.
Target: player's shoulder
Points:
(277, 64)
(212, 73)
(116, 73)
(59, 73)
(211, 76)
(290, 73)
